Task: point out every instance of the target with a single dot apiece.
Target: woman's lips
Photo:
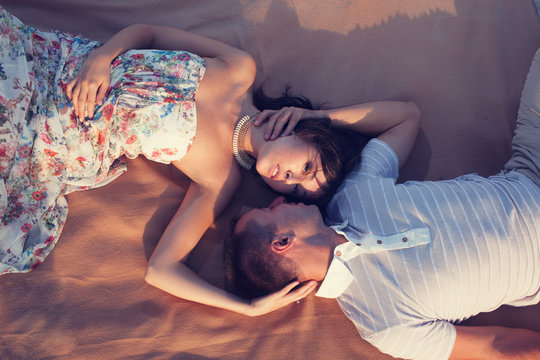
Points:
(275, 172)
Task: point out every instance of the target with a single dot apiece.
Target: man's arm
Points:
(495, 342)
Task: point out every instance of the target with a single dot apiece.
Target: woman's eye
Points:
(307, 167)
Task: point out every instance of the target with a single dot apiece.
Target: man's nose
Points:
(277, 201)
(244, 210)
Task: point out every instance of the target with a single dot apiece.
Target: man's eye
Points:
(295, 190)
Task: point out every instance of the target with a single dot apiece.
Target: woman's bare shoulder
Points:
(236, 70)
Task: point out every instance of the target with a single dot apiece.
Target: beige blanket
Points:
(463, 62)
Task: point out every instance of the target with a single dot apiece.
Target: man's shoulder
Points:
(378, 160)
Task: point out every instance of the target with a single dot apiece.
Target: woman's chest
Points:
(210, 156)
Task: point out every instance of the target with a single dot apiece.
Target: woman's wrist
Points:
(245, 307)
(102, 54)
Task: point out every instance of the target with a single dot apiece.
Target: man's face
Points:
(289, 218)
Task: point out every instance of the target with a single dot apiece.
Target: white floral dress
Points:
(46, 152)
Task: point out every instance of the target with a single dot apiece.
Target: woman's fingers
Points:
(282, 297)
(91, 101)
(288, 288)
(75, 96)
(69, 88)
(270, 128)
(278, 120)
(102, 92)
(297, 294)
(262, 116)
(304, 290)
(84, 96)
(90, 86)
(293, 121)
(271, 125)
(289, 295)
(81, 104)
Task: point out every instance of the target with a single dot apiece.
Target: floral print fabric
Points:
(46, 152)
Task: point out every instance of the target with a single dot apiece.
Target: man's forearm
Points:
(495, 342)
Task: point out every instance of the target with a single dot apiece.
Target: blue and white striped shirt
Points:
(450, 249)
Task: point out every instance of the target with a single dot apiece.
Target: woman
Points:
(193, 111)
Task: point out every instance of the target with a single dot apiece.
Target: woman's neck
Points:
(254, 140)
(255, 135)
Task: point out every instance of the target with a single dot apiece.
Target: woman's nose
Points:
(289, 177)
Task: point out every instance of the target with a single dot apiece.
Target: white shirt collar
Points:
(338, 276)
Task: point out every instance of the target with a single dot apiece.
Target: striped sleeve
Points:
(378, 160)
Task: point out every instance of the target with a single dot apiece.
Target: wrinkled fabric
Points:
(46, 152)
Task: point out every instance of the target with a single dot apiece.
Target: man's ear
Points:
(282, 243)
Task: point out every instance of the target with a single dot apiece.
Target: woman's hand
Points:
(278, 119)
(281, 298)
(90, 85)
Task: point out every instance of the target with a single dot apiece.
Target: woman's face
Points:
(291, 166)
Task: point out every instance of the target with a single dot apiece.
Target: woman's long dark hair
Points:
(339, 149)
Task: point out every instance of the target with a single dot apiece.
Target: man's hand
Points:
(495, 342)
(285, 296)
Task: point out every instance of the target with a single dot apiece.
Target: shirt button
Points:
(338, 253)
(404, 239)
(359, 244)
(379, 242)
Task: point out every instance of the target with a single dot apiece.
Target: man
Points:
(407, 262)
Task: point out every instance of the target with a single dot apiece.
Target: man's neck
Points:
(334, 240)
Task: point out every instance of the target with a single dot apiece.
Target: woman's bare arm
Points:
(91, 83)
(395, 122)
(167, 271)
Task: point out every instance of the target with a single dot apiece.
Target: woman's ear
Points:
(282, 243)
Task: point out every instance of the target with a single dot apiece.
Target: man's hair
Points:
(252, 268)
(339, 149)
